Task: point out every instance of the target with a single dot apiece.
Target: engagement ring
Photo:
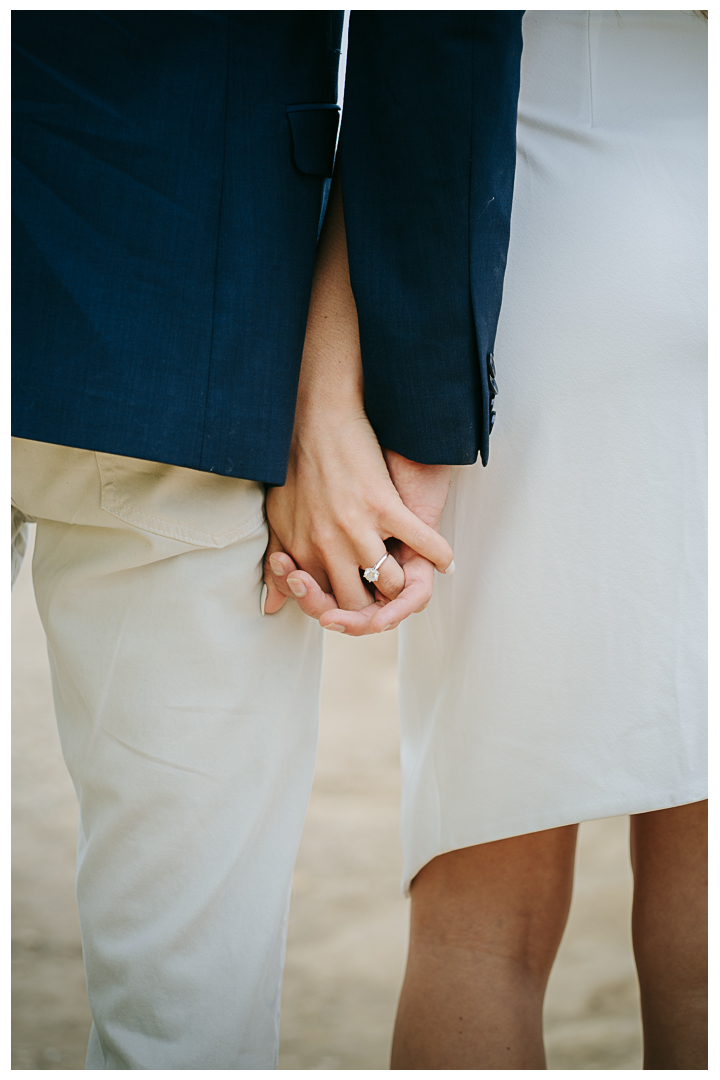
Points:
(371, 573)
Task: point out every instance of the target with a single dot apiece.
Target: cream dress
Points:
(559, 675)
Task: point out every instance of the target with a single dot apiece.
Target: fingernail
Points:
(451, 568)
(390, 627)
(276, 566)
(335, 626)
(263, 598)
(296, 586)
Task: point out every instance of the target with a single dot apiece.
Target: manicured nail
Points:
(390, 627)
(276, 566)
(296, 586)
(451, 568)
(335, 626)
(263, 598)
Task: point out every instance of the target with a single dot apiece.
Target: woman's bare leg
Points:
(669, 857)
(486, 925)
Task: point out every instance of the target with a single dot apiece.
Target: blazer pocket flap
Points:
(314, 131)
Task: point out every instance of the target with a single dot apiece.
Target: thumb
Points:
(272, 599)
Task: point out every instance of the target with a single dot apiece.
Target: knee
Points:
(669, 850)
(669, 956)
(497, 905)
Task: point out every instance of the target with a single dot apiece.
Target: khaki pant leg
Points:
(188, 722)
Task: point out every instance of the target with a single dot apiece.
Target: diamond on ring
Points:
(372, 573)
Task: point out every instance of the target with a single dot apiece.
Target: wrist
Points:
(330, 391)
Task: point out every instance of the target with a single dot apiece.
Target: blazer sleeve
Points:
(427, 152)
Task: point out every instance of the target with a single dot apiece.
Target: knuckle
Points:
(393, 587)
(420, 536)
(348, 521)
(299, 557)
(318, 540)
(377, 505)
(393, 591)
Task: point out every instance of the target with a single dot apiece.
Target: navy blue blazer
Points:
(169, 174)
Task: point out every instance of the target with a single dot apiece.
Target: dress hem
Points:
(473, 838)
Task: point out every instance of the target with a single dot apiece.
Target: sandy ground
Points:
(348, 925)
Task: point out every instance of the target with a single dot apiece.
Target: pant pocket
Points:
(197, 508)
(18, 542)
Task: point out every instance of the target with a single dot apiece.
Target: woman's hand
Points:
(333, 516)
(424, 490)
(338, 504)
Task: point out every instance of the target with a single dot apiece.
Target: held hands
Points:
(334, 515)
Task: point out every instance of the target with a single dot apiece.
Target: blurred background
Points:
(348, 923)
